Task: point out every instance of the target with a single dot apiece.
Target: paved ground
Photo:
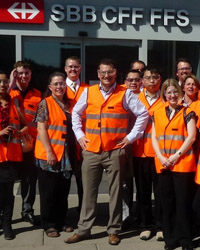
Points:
(32, 238)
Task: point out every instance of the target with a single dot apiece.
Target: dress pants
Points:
(177, 193)
(54, 189)
(92, 169)
(78, 176)
(28, 176)
(145, 178)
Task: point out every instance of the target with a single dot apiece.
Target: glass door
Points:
(47, 54)
(121, 51)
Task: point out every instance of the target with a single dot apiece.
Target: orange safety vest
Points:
(106, 120)
(195, 106)
(30, 103)
(72, 96)
(57, 131)
(11, 150)
(143, 146)
(197, 175)
(170, 135)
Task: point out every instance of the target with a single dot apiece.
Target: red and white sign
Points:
(22, 11)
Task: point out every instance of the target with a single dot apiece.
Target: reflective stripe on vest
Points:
(55, 130)
(11, 150)
(30, 103)
(170, 135)
(143, 147)
(106, 120)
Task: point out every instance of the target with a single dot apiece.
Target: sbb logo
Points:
(22, 11)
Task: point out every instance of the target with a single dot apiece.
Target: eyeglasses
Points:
(185, 68)
(56, 84)
(4, 81)
(157, 77)
(133, 79)
(73, 67)
(109, 73)
(175, 92)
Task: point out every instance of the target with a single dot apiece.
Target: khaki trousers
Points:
(92, 168)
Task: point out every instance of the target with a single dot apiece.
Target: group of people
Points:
(142, 128)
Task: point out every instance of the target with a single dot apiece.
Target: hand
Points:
(51, 158)
(123, 143)
(13, 78)
(83, 142)
(7, 130)
(173, 159)
(13, 74)
(165, 161)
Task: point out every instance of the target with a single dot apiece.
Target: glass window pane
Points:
(122, 55)
(160, 54)
(46, 56)
(7, 45)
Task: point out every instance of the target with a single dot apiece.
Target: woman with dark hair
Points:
(173, 133)
(54, 143)
(12, 127)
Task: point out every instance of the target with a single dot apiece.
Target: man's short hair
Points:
(182, 59)
(137, 61)
(108, 61)
(133, 71)
(74, 58)
(23, 64)
(153, 69)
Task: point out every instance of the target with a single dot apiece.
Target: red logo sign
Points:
(22, 11)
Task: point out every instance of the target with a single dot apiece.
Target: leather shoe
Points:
(170, 247)
(74, 239)
(8, 232)
(113, 239)
(30, 217)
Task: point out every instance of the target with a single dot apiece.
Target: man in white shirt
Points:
(104, 145)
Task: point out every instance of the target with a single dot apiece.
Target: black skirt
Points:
(9, 171)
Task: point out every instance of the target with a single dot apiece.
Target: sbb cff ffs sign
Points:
(22, 11)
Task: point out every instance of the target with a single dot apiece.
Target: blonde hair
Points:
(166, 84)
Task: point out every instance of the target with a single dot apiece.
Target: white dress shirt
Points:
(70, 84)
(130, 102)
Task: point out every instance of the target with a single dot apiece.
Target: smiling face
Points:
(4, 83)
(23, 76)
(107, 75)
(58, 86)
(190, 88)
(183, 69)
(172, 96)
(133, 82)
(72, 69)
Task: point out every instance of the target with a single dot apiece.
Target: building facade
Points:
(46, 32)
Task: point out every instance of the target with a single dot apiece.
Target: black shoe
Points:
(166, 247)
(8, 233)
(30, 217)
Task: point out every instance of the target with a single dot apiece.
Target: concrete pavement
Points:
(33, 238)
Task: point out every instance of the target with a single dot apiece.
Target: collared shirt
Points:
(70, 83)
(130, 102)
(152, 99)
